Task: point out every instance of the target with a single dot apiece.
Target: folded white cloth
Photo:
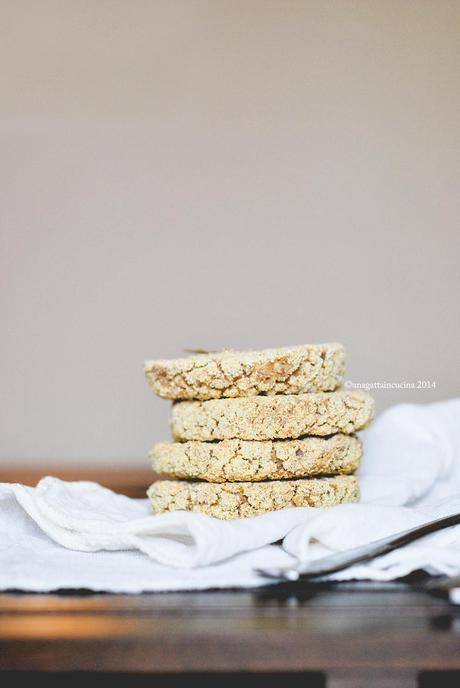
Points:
(81, 535)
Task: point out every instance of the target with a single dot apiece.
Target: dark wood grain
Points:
(272, 630)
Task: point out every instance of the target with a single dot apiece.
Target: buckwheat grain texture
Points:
(276, 417)
(292, 370)
(242, 460)
(239, 500)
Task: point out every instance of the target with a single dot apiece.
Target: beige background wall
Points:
(212, 173)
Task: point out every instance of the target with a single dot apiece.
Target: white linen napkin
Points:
(81, 535)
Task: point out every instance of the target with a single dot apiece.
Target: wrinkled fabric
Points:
(81, 535)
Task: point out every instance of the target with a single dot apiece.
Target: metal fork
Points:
(342, 560)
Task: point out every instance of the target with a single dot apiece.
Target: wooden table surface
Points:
(354, 635)
(129, 481)
(347, 633)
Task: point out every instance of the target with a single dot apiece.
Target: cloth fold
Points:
(81, 535)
